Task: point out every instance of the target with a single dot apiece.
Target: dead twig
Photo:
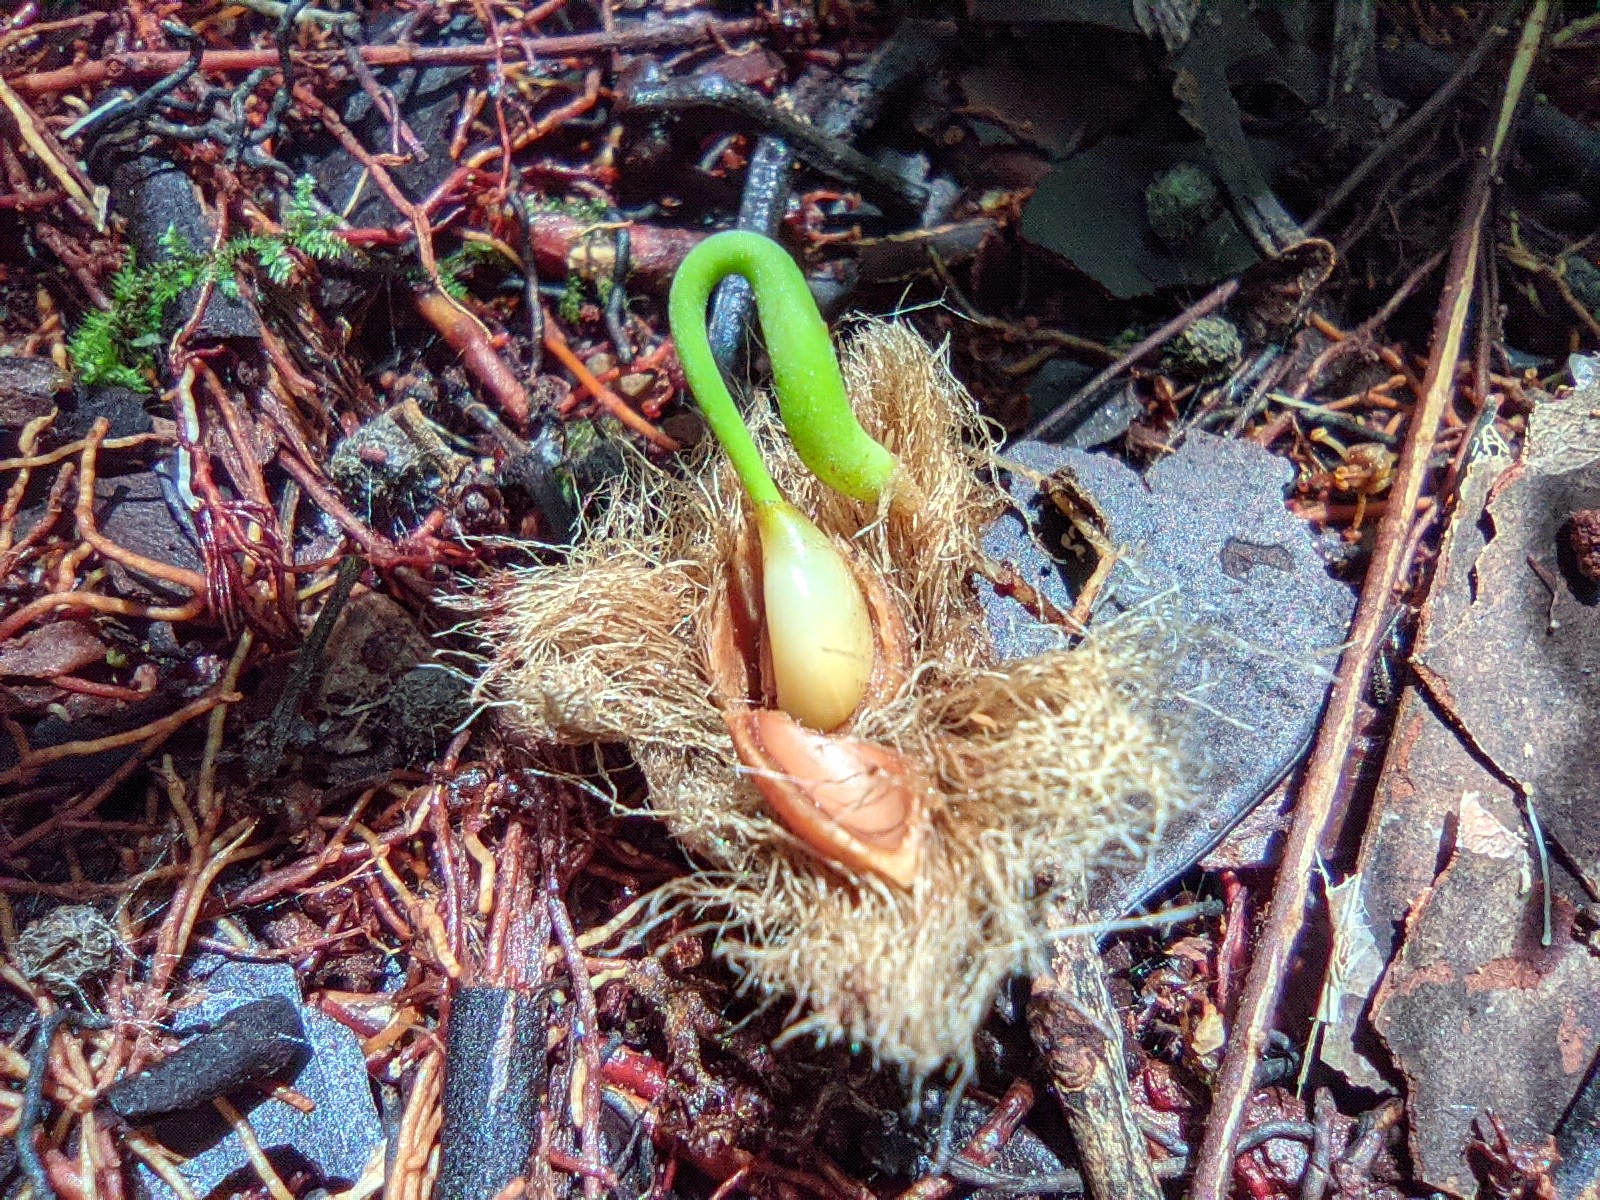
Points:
(556, 343)
(1078, 405)
(984, 1146)
(1424, 116)
(1076, 1027)
(466, 335)
(263, 764)
(151, 64)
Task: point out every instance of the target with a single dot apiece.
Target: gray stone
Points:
(1206, 535)
(336, 1139)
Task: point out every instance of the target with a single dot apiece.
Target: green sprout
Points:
(805, 371)
(818, 628)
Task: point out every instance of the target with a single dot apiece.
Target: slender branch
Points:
(556, 343)
(1079, 1035)
(1078, 405)
(152, 64)
(1425, 115)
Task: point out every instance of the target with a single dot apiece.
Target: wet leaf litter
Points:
(999, 798)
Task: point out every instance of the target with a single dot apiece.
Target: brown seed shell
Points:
(854, 803)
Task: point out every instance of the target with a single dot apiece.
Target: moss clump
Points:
(1211, 346)
(1180, 203)
(118, 346)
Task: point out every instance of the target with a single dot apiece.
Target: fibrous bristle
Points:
(1041, 769)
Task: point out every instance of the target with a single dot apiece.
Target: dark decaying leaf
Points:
(57, 649)
(1480, 1017)
(1475, 1014)
(1090, 210)
(1511, 659)
(1276, 293)
(1427, 769)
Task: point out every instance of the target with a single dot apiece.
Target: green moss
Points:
(571, 306)
(1210, 347)
(580, 208)
(118, 346)
(1180, 203)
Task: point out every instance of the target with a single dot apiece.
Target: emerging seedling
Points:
(885, 874)
(805, 371)
(818, 629)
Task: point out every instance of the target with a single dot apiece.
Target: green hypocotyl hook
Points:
(818, 628)
(811, 396)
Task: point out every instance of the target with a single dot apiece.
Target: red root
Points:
(466, 335)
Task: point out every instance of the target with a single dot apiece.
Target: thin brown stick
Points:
(1077, 404)
(983, 1148)
(1253, 1020)
(584, 1035)
(1419, 120)
(153, 64)
(1076, 1027)
(555, 342)
(35, 759)
(192, 581)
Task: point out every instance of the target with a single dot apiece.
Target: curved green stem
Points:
(811, 395)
